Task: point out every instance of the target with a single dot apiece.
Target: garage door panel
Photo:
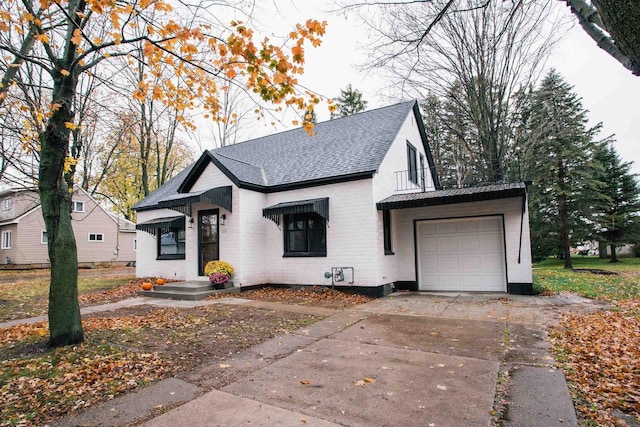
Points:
(448, 245)
(490, 225)
(444, 228)
(489, 244)
(428, 230)
(467, 227)
(475, 263)
(461, 255)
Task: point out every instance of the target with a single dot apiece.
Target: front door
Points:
(207, 238)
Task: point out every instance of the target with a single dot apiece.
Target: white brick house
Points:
(359, 199)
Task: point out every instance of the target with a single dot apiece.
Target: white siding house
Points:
(101, 237)
(360, 200)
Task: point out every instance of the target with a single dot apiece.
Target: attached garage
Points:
(473, 239)
(465, 254)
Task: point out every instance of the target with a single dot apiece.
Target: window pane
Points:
(317, 240)
(172, 242)
(168, 243)
(296, 241)
(412, 163)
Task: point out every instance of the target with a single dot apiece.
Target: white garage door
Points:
(461, 255)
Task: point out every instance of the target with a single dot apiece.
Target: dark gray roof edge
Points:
(400, 201)
(287, 187)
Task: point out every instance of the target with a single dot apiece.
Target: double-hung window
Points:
(305, 234)
(412, 163)
(6, 239)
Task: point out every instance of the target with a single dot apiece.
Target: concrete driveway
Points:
(408, 359)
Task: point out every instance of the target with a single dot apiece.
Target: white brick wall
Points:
(351, 237)
(384, 182)
(146, 263)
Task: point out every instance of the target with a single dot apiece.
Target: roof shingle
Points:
(342, 147)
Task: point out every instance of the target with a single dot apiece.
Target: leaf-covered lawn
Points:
(599, 351)
(123, 350)
(316, 296)
(22, 297)
(550, 276)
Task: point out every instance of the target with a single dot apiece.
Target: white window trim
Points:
(43, 240)
(96, 240)
(6, 240)
(6, 204)
(74, 204)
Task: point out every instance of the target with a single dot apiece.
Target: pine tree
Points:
(349, 102)
(617, 213)
(559, 148)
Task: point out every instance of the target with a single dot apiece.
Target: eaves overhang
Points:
(452, 196)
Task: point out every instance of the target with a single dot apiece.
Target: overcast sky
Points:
(608, 90)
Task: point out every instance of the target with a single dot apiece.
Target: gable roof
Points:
(123, 223)
(342, 149)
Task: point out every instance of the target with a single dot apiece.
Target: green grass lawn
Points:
(27, 297)
(550, 276)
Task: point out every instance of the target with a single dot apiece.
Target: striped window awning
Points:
(318, 206)
(163, 224)
(182, 202)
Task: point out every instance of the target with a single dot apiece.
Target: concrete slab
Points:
(360, 384)
(539, 397)
(332, 325)
(528, 345)
(217, 408)
(130, 407)
(478, 339)
(291, 308)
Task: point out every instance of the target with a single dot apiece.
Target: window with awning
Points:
(317, 206)
(162, 224)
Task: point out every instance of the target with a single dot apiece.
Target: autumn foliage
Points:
(53, 45)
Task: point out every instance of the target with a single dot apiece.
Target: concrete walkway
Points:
(408, 359)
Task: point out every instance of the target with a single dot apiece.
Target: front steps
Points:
(188, 291)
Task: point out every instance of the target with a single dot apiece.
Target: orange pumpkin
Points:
(160, 281)
(147, 286)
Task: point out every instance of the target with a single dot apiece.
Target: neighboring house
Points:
(101, 237)
(360, 200)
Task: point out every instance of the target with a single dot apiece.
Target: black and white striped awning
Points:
(163, 224)
(182, 202)
(319, 206)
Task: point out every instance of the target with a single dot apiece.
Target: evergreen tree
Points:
(559, 149)
(349, 102)
(617, 213)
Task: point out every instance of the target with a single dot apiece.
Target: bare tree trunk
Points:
(65, 323)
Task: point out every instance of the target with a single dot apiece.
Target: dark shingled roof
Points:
(455, 195)
(346, 148)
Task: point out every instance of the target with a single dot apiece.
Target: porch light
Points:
(190, 222)
(223, 217)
